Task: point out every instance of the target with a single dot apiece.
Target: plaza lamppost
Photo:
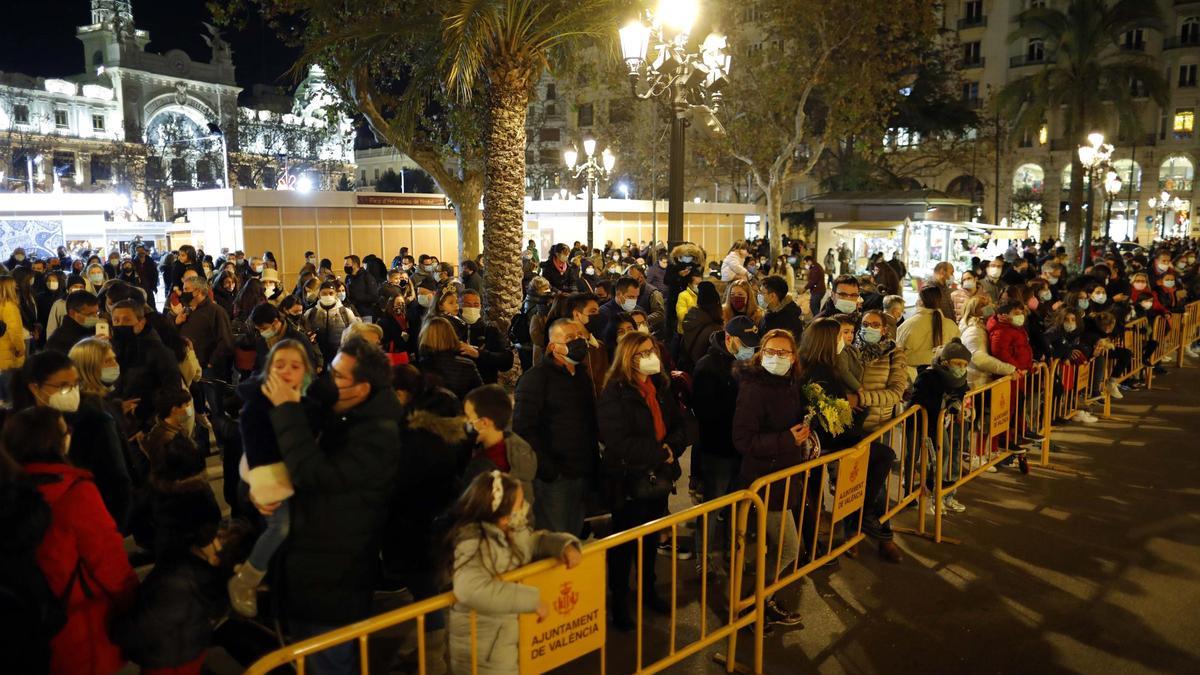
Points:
(691, 83)
(1112, 186)
(592, 171)
(1163, 203)
(1093, 157)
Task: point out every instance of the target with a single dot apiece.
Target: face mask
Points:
(1146, 304)
(18, 257)
(187, 297)
(1052, 280)
(628, 304)
(1069, 327)
(348, 269)
(762, 300)
(643, 329)
(650, 365)
(969, 284)
(590, 271)
(1169, 283)
(519, 518)
(110, 374)
(845, 306)
(791, 260)
(1162, 267)
(958, 373)
(328, 301)
(307, 296)
(686, 258)
(96, 278)
(270, 288)
(425, 300)
(91, 321)
(258, 269)
(738, 304)
(1083, 304)
(744, 353)
(577, 350)
(993, 272)
(342, 296)
(311, 261)
(1018, 320)
(870, 335)
(123, 332)
(777, 365)
(751, 268)
(268, 334)
(1045, 296)
(65, 400)
(52, 285)
(437, 276)
(1099, 298)
(471, 314)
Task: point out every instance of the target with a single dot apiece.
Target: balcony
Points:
(1027, 60)
(972, 22)
(967, 64)
(1179, 42)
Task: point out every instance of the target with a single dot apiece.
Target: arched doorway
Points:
(966, 187)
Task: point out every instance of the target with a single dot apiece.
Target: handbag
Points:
(655, 483)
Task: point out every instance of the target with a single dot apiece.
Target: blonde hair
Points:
(361, 328)
(622, 369)
(438, 335)
(88, 356)
(973, 308)
(293, 345)
(8, 290)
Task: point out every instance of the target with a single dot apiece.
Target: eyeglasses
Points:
(777, 352)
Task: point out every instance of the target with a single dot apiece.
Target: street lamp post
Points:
(1163, 203)
(692, 83)
(1112, 185)
(1092, 156)
(592, 171)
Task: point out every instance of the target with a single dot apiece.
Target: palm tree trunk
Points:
(504, 187)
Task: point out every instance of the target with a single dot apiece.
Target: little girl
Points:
(492, 536)
(262, 466)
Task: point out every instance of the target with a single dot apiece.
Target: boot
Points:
(243, 590)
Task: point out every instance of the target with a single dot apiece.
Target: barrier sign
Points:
(1001, 408)
(1083, 376)
(577, 619)
(851, 484)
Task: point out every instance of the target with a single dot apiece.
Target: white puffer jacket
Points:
(983, 367)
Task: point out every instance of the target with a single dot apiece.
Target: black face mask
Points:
(348, 269)
(577, 350)
(186, 298)
(123, 332)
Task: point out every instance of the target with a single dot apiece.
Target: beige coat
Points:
(983, 367)
(916, 338)
(883, 385)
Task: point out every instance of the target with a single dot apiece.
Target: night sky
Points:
(37, 37)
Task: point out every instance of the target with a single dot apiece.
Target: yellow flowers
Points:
(834, 413)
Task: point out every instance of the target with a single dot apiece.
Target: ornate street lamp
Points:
(1112, 185)
(660, 65)
(1093, 156)
(592, 171)
(1163, 203)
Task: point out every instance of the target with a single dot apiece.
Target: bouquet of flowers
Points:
(834, 414)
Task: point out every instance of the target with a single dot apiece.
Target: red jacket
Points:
(1135, 296)
(82, 531)
(1009, 343)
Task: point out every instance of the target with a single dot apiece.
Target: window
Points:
(1035, 51)
(551, 92)
(551, 110)
(60, 119)
(97, 122)
(364, 177)
(1189, 31)
(751, 12)
(97, 58)
(971, 53)
(970, 93)
(973, 11)
(64, 164)
(101, 166)
(1137, 89)
(549, 135)
(1034, 4)
(1187, 74)
(1134, 39)
(376, 175)
(21, 114)
(1026, 140)
(1185, 118)
(586, 115)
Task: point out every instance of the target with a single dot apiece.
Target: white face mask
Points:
(471, 314)
(1018, 320)
(777, 365)
(66, 401)
(519, 518)
(969, 284)
(52, 285)
(650, 365)
(993, 272)
(110, 374)
(328, 301)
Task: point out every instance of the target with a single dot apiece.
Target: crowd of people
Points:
(368, 445)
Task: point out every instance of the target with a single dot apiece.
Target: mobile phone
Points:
(102, 329)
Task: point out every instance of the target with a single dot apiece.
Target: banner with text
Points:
(1001, 408)
(851, 484)
(576, 622)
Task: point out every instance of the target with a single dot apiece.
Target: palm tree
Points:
(1087, 78)
(504, 46)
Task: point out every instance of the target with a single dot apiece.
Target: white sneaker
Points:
(991, 469)
(1114, 390)
(1194, 351)
(1084, 416)
(953, 505)
(932, 508)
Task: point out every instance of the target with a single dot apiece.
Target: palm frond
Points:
(469, 31)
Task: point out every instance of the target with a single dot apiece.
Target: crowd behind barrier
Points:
(360, 431)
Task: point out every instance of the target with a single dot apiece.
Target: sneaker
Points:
(779, 616)
(1115, 391)
(664, 549)
(990, 469)
(953, 505)
(1194, 351)
(1084, 416)
(932, 508)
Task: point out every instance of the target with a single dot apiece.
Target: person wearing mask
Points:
(984, 367)
(741, 300)
(328, 319)
(58, 310)
(17, 259)
(225, 288)
(427, 293)
(893, 306)
(52, 289)
(656, 275)
(732, 267)
(186, 260)
(528, 329)
(967, 289)
(624, 300)
(699, 324)
(397, 286)
(1052, 272)
(925, 331)
(128, 274)
(714, 394)
(686, 259)
(440, 356)
(205, 325)
(555, 412)
(585, 310)
(943, 386)
(146, 270)
(643, 434)
(147, 365)
(488, 410)
(650, 300)
(394, 322)
(845, 298)
(781, 312)
(991, 283)
(483, 343)
(943, 272)
(271, 327)
(556, 270)
(446, 306)
(770, 434)
(686, 300)
(272, 287)
(83, 313)
(82, 541)
(814, 284)
(112, 269)
(362, 289)
(1170, 295)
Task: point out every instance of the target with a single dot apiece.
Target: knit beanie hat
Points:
(954, 349)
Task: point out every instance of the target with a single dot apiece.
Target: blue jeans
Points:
(279, 524)
(339, 660)
(558, 504)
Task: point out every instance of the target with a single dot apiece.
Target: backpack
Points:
(518, 330)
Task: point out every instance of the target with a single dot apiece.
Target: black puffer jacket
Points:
(714, 398)
(495, 353)
(698, 327)
(345, 482)
(147, 367)
(788, 318)
(555, 412)
(456, 373)
(96, 446)
(177, 606)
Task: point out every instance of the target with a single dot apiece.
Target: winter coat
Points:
(1009, 344)
(656, 277)
(563, 282)
(683, 304)
(768, 406)
(698, 327)
(915, 337)
(344, 484)
(993, 289)
(265, 471)
(555, 412)
(147, 273)
(884, 381)
(178, 510)
(731, 267)
(83, 542)
(362, 292)
(959, 297)
(815, 283)
(933, 390)
(68, 333)
(328, 324)
(788, 317)
(714, 398)
(627, 430)
(207, 327)
(12, 343)
(1062, 343)
(147, 367)
(495, 354)
(96, 447)
(457, 373)
(178, 604)
(983, 367)
(178, 268)
(522, 464)
(27, 628)
(481, 554)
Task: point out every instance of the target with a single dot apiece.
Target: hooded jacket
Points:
(714, 398)
(983, 367)
(1009, 343)
(698, 327)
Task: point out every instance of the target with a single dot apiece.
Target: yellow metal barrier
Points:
(742, 501)
(1080, 385)
(1167, 332)
(1189, 329)
(1134, 339)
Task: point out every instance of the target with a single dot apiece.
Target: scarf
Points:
(560, 266)
(648, 392)
(871, 353)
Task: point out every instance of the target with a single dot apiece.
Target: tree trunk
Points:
(774, 213)
(466, 211)
(504, 187)
(1075, 215)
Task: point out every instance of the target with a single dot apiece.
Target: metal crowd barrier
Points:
(1134, 338)
(1078, 384)
(644, 535)
(1168, 331)
(1190, 328)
